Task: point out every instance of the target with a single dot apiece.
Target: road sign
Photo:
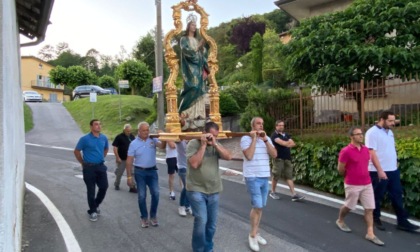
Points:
(157, 84)
(123, 84)
(92, 97)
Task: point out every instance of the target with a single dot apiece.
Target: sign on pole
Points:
(123, 84)
(157, 84)
(92, 97)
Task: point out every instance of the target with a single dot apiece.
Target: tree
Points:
(46, 53)
(58, 75)
(107, 81)
(257, 45)
(278, 19)
(72, 76)
(90, 61)
(243, 32)
(67, 59)
(370, 39)
(145, 51)
(138, 76)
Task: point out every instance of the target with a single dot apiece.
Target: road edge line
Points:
(66, 232)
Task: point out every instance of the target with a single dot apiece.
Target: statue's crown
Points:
(191, 18)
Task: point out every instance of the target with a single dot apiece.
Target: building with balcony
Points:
(35, 76)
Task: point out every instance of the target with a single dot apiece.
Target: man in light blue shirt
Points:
(142, 154)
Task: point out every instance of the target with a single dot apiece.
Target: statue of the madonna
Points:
(194, 67)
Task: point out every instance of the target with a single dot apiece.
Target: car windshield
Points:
(30, 92)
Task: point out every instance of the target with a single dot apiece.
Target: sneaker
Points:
(297, 197)
(253, 243)
(188, 210)
(261, 240)
(154, 222)
(144, 223)
(343, 227)
(98, 211)
(375, 240)
(117, 188)
(93, 216)
(274, 195)
(172, 195)
(133, 190)
(181, 211)
(378, 224)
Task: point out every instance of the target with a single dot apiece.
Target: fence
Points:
(354, 104)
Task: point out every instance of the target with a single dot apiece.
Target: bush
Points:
(239, 92)
(276, 76)
(228, 105)
(315, 162)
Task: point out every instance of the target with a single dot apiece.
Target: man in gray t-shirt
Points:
(204, 184)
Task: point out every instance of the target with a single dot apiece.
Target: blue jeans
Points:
(183, 199)
(95, 175)
(258, 190)
(151, 179)
(205, 208)
(395, 192)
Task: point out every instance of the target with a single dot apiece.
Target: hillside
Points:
(134, 109)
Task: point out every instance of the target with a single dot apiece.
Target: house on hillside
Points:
(35, 76)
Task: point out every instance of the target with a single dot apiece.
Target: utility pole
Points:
(159, 64)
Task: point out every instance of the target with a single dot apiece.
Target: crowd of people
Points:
(369, 168)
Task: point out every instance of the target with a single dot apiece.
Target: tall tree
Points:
(47, 53)
(67, 59)
(243, 32)
(145, 51)
(370, 39)
(138, 76)
(257, 45)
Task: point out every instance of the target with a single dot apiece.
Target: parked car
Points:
(113, 90)
(33, 96)
(85, 90)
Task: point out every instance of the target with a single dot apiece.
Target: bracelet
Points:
(129, 177)
(265, 141)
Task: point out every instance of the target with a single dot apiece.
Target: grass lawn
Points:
(134, 109)
(27, 117)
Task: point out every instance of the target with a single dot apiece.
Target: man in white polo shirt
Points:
(257, 149)
(384, 171)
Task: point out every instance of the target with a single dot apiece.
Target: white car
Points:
(29, 96)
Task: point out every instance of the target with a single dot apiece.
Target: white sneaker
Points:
(253, 243)
(261, 240)
(181, 211)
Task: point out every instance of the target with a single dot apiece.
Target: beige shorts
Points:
(364, 193)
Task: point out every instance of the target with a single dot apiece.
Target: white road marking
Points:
(316, 195)
(68, 236)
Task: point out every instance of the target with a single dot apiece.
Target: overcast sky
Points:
(105, 25)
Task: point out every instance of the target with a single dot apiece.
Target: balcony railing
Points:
(46, 84)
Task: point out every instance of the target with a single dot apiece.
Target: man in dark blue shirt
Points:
(94, 146)
(282, 165)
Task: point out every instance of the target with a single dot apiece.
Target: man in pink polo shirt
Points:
(353, 164)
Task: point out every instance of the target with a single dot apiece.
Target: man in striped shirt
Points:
(257, 149)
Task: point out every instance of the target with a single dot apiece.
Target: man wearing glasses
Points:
(384, 171)
(353, 164)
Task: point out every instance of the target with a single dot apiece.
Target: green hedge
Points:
(315, 163)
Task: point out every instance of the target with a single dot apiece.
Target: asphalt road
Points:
(52, 168)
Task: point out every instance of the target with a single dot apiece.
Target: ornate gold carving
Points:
(172, 116)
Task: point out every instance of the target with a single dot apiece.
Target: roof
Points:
(33, 17)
